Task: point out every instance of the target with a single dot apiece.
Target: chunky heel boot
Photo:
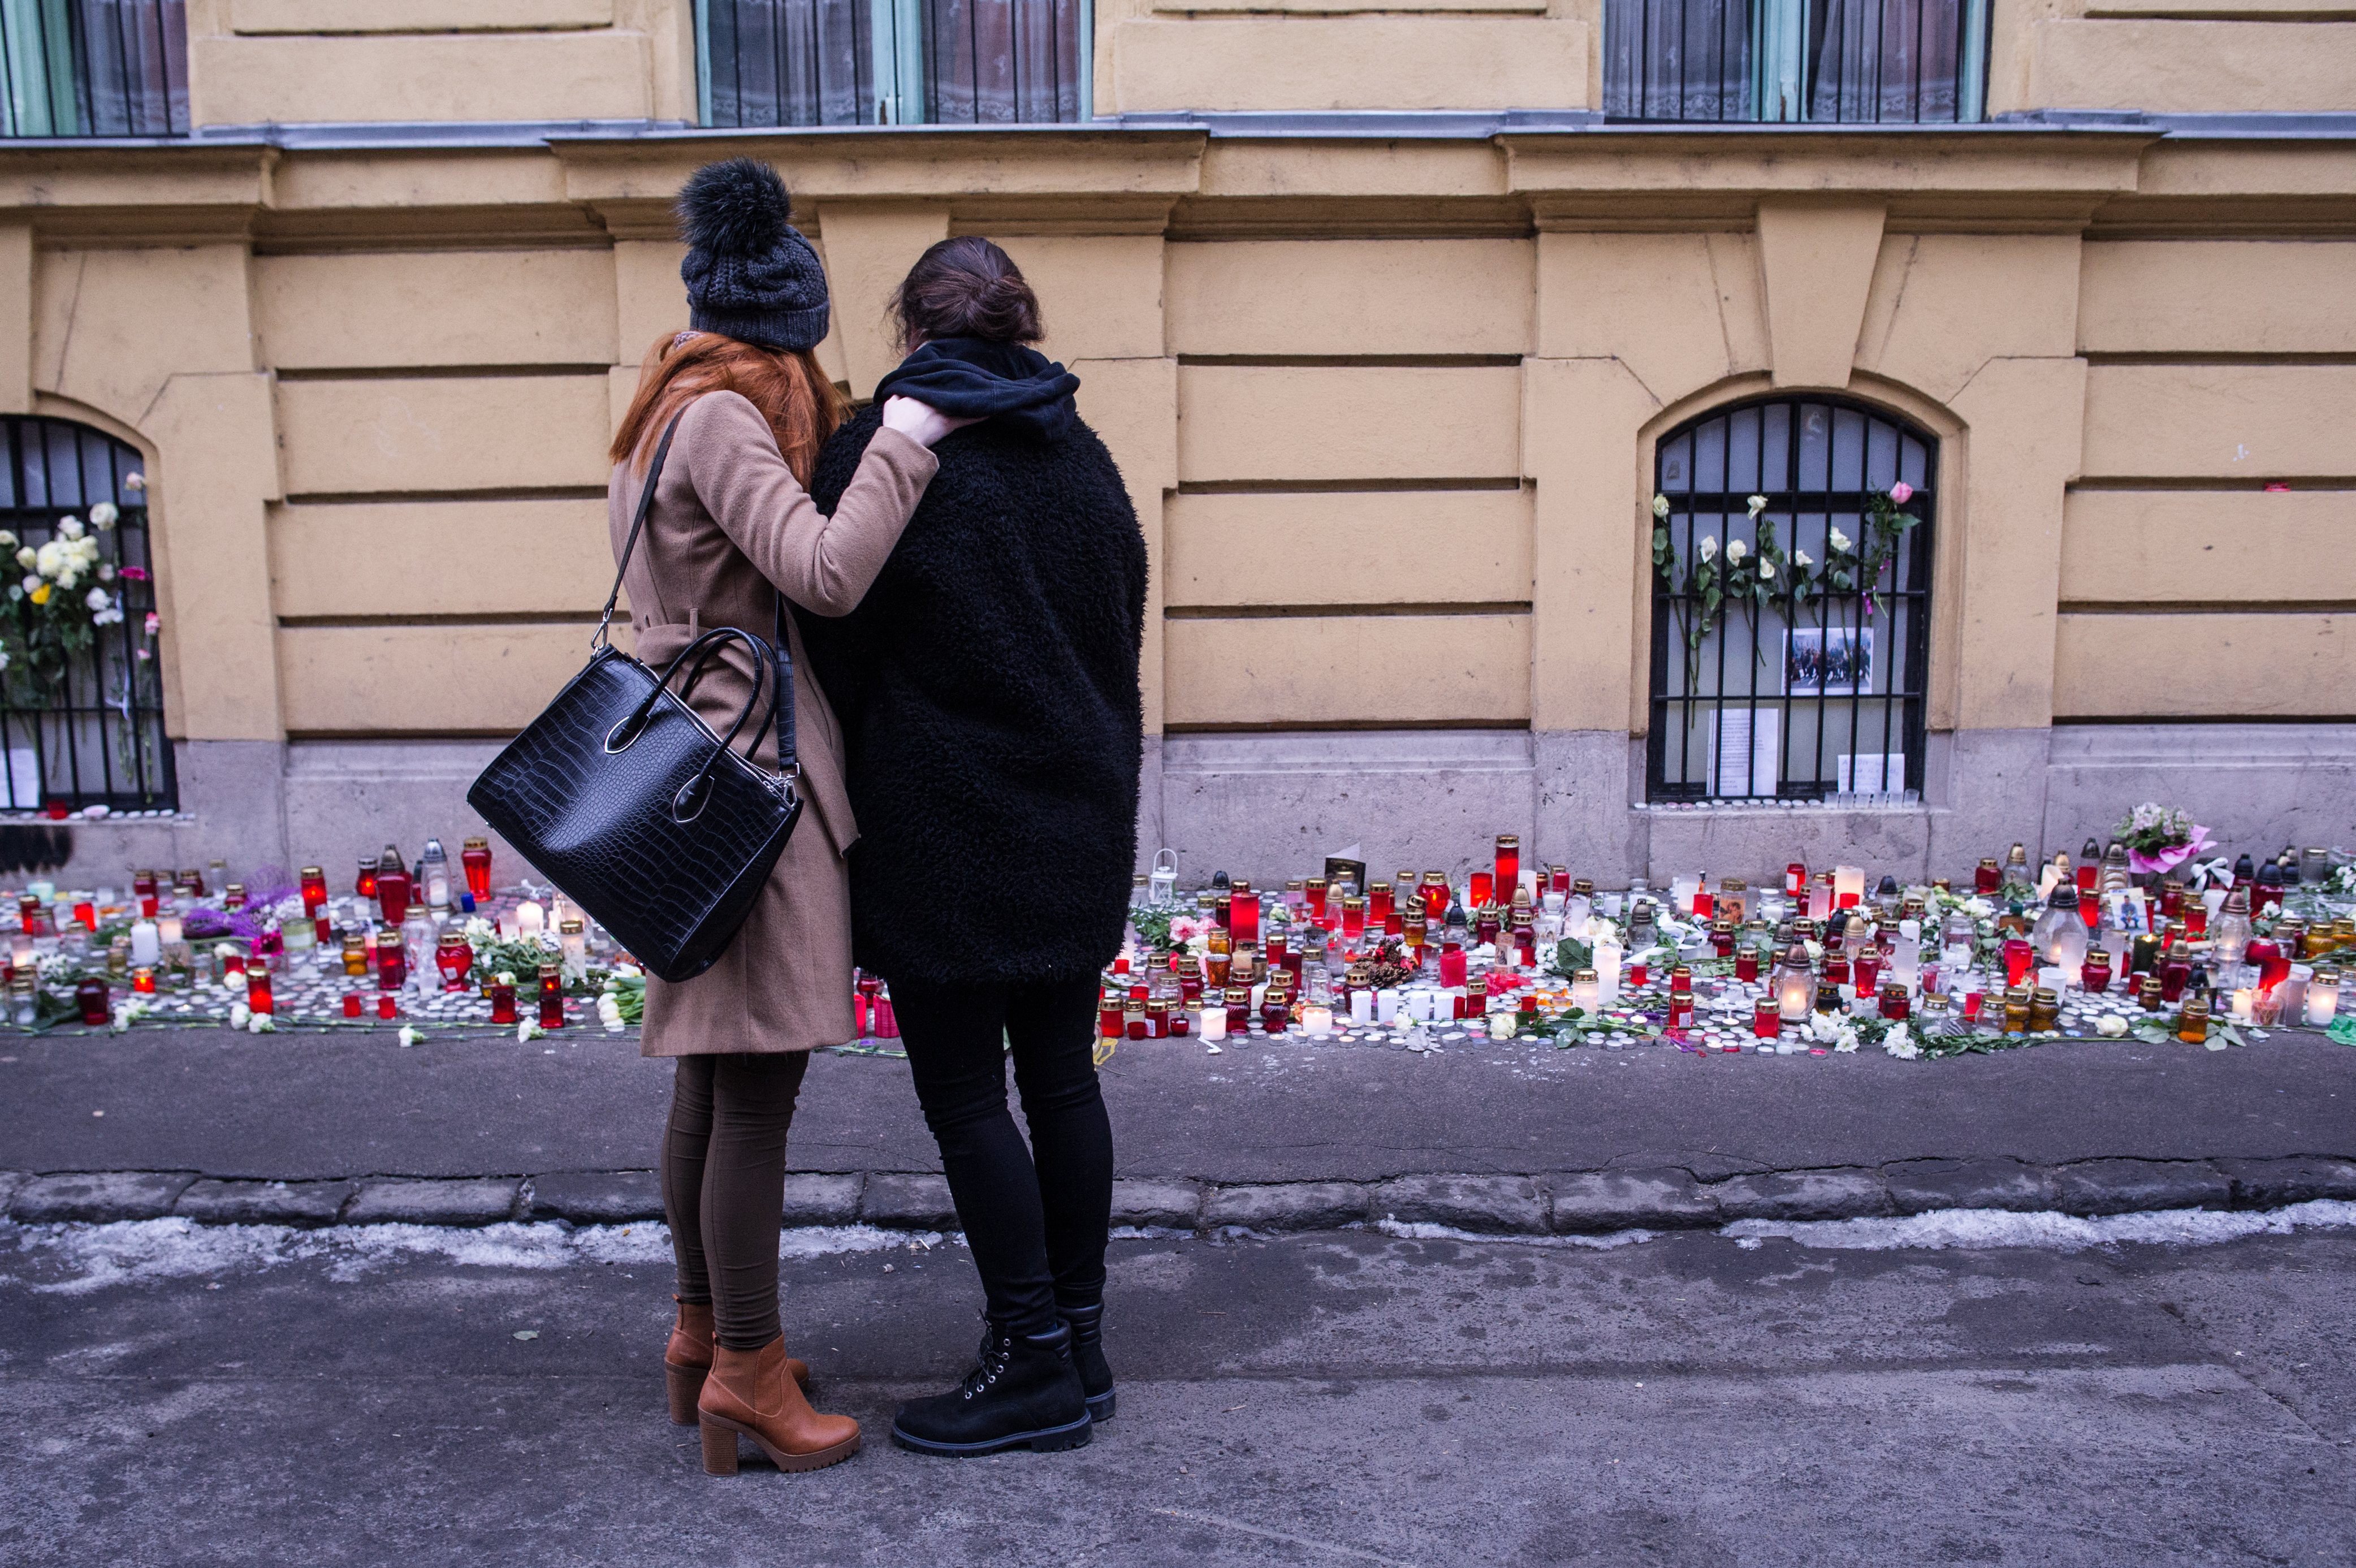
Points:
(750, 1393)
(687, 1360)
(1026, 1394)
(1087, 1324)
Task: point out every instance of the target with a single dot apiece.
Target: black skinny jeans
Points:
(724, 1185)
(1035, 1218)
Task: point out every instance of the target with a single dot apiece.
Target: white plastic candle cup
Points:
(530, 919)
(1419, 1005)
(1214, 1023)
(2322, 1004)
(146, 947)
(1362, 1006)
(1613, 904)
(1386, 1004)
(1317, 1020)
(1609, 957)
(2245, 1003)
(1681, 893)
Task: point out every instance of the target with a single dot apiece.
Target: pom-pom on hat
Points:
(749, 273)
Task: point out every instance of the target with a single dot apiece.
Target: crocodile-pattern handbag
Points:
(624, 798)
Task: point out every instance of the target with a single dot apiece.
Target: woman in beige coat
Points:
(732, 528)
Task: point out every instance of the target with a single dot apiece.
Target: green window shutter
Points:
(36, 52)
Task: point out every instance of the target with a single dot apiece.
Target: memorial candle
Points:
(475, 857)
(1243, 912)
(315, 891)
(551, 997)
(1508, 865)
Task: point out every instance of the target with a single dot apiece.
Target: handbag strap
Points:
(638, 525)
(781, 706)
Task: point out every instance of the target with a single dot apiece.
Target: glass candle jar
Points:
(1721, 937)
(503, 1002)
(1480, 890)
(1354, 917)
(2175, 969)
(475, 858)
(1243, 912)
(2044, 1010)
(258, 995)
(455, 959)
(391, 966)
(393, 895)
(356, 955)
(551, 997)
(1586, 991)
(2148, 994)
(352, 1004)
(1508, 865)
(1989, 877)
(2016, 1011)
(388, 1005)
(1238, 998)
(2323, 997)
(2096, 975)
(2192, 1024)
(1112, 1009)
(1157, 1018)
(1897, 1002)
(1745, 963)
(143, 981)
(1766, 1019)
(90, 996)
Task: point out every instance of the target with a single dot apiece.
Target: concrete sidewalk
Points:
(1493, 1137)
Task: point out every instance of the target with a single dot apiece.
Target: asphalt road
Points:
(293, 1107)
(1328, 1399)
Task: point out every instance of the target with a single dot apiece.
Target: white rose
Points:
(69, 528)
(1756, 505)
(1709, 547)
(1736, 549)
(1766, 569)
(97, 599)
(2110, 1025)
(7, 540)
(27, 557)
(1661, 506)
(1840, 540)
(104, 514)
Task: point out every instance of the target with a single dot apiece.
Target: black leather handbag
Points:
(622, 796)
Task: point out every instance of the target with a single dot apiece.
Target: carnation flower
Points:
(409, 1034)
(69, 528)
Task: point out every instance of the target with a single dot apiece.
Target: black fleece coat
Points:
(987, 688)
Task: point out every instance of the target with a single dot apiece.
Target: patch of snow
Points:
(1949, 1228)
(77, 1259)
(1418, 1230)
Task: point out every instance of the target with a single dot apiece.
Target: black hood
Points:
(971, 377)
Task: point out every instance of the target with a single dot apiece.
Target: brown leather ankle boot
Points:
(750, 1393)
(687, 1360)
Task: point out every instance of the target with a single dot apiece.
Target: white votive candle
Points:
(1362, 1006)
(530, 918)
(1215, 1024)
(1386, 1004)
(1318, 1019)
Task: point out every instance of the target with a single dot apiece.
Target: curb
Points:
(1557, 1203)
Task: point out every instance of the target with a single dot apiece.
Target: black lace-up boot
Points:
(1024, 1393)
(1087, 1324)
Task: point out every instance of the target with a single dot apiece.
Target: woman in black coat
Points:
(988, 690)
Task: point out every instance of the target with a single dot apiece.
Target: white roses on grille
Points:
(103, 515)
(1709, 547)
(1736, 549)
(1841, 542)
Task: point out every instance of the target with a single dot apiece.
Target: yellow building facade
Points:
(1397, 333)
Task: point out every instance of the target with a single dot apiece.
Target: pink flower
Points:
(135, 574)
(154, 623)
(1902, 492)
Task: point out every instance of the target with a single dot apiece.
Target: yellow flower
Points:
(41, 594)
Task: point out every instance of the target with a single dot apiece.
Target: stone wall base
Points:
(1272, 806)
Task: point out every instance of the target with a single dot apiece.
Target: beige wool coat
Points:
(728, 522)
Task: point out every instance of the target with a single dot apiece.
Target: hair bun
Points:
(967, 288)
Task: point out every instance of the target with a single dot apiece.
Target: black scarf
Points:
(971, 378)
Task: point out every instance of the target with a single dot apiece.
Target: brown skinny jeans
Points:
(724, 1181)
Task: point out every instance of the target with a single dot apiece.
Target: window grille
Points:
(894, 62)
(79, 726)
(94, 68)
(1827, 61)
(1787, 680)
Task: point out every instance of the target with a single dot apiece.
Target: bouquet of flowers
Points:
(2159, 838)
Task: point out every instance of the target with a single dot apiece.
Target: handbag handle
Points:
(701, 651)
(781, 708)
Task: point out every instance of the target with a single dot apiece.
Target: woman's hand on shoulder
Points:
(919, 422)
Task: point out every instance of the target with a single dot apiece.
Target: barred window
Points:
(1791, 549)
(1837, 61)
(94, 68)
(894, 62)
(81, 698)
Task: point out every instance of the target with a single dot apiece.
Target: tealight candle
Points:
(2323, 999)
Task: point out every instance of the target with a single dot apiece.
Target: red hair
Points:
(802, 406)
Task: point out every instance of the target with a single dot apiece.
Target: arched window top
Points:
(1791, 603)
(82, 707)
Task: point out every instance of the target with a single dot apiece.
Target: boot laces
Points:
(996, 1348)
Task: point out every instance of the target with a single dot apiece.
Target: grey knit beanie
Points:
(749, 273)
